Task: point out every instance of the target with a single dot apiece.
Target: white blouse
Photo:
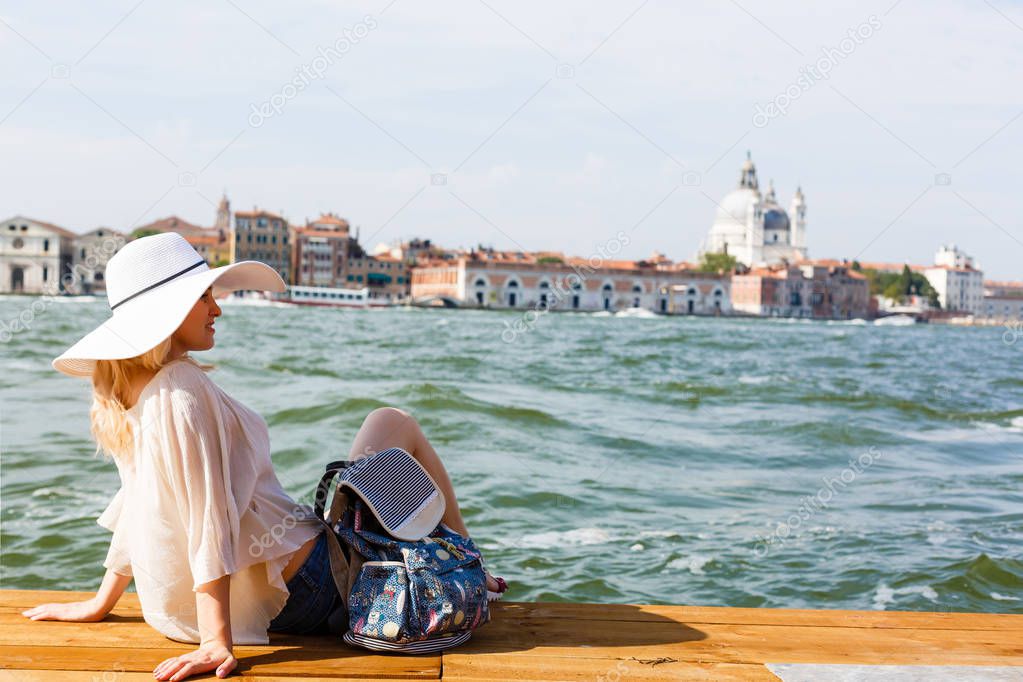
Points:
(200, 501)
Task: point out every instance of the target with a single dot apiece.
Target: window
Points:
(81, 254)
(513, 284)
(46, 272)
(637, 289)
(545, 285)
(46, 247)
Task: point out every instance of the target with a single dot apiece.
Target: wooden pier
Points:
(527, 642)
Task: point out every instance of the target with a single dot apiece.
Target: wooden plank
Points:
(122, 631)
(541, 642)
(462, 667)
(296, 661)
(915, 620)
(124, 676)
(730, 643)
(18, 600)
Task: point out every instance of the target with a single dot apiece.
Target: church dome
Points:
(775, 218)
(732, 211)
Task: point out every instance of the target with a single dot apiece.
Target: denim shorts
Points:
(314, 606)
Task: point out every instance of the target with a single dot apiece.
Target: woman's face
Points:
(196, 332)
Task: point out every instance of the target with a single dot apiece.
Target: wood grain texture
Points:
(542, 642)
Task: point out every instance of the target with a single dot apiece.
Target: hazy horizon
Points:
(553, 127)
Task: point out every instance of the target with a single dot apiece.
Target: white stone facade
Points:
(573, 286)
(33, 256)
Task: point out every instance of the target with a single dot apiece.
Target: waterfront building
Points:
(327, 255)
(388, 278)
(215, 250)
(263, 236)
(823, 289)
(90, 253)
(959, 284)
(320, 252)
(34, 256)
(211, 242)
(547, 280)
(754, 228)
(1003, 301)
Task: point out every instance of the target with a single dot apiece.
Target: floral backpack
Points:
(410, 583)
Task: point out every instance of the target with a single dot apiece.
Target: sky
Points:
(573, 126)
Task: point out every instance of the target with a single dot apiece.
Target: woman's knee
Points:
(385, 427)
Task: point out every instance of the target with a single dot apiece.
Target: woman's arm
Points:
(213, 611)
(88, 611)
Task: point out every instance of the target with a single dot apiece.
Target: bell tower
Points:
(797, 214)
(223, 222)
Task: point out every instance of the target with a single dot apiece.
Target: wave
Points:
(430, 397)
(317, 413)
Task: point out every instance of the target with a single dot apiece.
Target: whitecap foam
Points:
(638, 547)
(659, 534)
(575, 537)
(886, 595)
(694, 563)
(1003, 597)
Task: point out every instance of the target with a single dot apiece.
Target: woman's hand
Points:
(207, 657)
(88, 611)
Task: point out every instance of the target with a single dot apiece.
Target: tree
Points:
(717, 262)
(142, 232)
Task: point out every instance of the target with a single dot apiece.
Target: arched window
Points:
(608, 287)
(545, 285)
(480, 283)
(513, 284)
(692, 291)
(637, 289)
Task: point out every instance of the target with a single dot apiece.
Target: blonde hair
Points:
(111, 389)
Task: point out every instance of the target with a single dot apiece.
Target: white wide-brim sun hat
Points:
(152, 284)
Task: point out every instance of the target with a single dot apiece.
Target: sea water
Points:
(599, 458)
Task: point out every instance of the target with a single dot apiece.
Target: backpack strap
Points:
(340, 569)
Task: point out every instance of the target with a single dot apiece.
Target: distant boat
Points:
(337, 298)
(253, 298)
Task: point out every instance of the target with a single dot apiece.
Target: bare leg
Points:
(389, 427)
